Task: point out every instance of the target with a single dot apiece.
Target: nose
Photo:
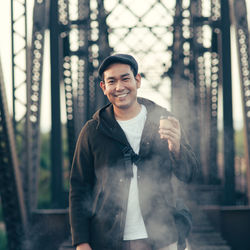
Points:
(119, 85)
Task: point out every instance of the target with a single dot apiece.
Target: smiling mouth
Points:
(122, 95)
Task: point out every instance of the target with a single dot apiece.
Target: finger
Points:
(172, 145)
(171, 137)
(165, 137)
(172, 130)
(175, 130)
(175, 133)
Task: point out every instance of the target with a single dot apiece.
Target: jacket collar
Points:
(108, 125)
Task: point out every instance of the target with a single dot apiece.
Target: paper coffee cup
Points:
(165, 122)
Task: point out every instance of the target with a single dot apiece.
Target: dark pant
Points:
(142, 244)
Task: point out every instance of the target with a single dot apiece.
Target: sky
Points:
(5, 55)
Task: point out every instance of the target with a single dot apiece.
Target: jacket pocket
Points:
(105, 229)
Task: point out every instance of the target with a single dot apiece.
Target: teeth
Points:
(122, 95)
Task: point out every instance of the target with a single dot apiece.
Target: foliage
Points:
(1, 212)
(44, 189)
(3, 240)
(239, 143)
(44, 185)
(45, 151)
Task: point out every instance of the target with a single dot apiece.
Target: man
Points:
(120, 187)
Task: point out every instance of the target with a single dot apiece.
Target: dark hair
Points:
(133, 70)
(118, 58)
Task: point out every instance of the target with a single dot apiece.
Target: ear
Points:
(138, 81)
(103, 87)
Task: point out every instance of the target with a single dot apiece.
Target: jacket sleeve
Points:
(186, 167)
(81, 186)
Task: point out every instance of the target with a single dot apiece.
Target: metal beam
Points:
(57, 194)
(228, 136)
(243, 46)
(11, 189)
(34, 92)
(19, 52)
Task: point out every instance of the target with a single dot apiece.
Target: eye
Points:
(126, 79)
(110, 82)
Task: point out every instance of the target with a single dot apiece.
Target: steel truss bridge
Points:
(184, 52)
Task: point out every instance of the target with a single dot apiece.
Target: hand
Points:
(170, 130)
(83, 246)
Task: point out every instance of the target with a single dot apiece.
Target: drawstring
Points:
(130, 157)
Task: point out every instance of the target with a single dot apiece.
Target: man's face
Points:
(120, 86)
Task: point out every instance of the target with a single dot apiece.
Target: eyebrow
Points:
(127, 74)
(123, 75)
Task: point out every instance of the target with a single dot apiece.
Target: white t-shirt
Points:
(134, 224)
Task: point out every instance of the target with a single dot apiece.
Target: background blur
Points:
(194, 60)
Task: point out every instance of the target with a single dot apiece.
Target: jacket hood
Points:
(105, 117)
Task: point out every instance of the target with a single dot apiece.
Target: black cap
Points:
(118, 58)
